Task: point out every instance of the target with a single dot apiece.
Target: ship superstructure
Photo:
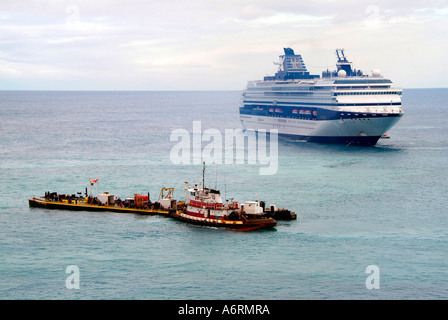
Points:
(342, 106)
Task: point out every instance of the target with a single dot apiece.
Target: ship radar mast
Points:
(343, 63)
(344, 67)
(341, 55)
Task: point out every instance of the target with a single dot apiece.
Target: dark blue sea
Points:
(384, 206)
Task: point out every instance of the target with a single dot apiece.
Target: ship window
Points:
(362, 81)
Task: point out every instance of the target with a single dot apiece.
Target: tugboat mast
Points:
(203, 175)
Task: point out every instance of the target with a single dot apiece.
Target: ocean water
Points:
(384, 206)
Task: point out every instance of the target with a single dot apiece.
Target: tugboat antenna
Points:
(203, 175)
(225, 188)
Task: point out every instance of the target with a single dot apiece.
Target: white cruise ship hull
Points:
(356, 131)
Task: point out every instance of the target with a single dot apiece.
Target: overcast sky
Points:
(213, 44)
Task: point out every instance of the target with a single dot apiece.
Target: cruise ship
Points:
(341, 106)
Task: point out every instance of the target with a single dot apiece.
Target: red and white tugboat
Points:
(205, 206)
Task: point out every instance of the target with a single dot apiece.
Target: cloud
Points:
(211, 44)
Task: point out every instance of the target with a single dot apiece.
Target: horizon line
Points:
(166, 90)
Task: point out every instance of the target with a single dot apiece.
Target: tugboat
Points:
(204, 206)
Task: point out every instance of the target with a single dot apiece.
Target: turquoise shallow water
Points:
(384, 206)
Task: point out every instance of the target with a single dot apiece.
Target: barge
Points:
(202, 206)
(140, 204)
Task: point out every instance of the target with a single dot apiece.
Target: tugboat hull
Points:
(239, 225)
